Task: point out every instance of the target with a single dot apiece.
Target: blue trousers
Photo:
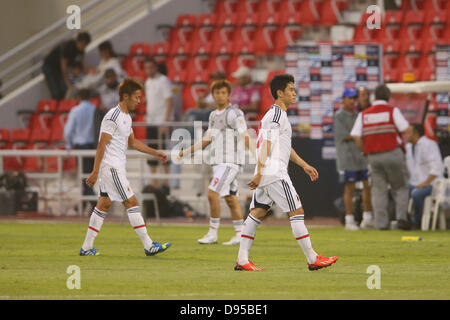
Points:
(418, 196)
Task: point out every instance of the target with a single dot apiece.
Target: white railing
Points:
(24, 61)
(139, 176)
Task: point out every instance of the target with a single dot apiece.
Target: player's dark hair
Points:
(128, 86)
(382, 92)
(418, 128)
(280, 82)
(107, 46)
(219, 84)
(84, 36)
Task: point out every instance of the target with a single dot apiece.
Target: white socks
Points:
(247, 237)
(95, 224)
(238, 225)
(214, 224)
(302, 236)
(349, 219)
(367, 216)
(138, 223)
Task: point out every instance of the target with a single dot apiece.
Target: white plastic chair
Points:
(440, 197)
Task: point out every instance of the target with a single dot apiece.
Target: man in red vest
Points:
(376, 131)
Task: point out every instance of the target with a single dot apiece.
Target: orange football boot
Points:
(322, 262)
(247, 267)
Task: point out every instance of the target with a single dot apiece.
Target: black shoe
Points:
(403, 225)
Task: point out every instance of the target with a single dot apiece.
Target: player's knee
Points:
(104, 204)
(231, 200)
(212, 195)
(132, 202)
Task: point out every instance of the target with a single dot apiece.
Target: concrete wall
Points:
(28, 17)
(27, 97)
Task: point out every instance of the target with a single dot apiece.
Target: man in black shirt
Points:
(60, 59)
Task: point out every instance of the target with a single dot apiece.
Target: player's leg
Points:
(236, 216)
(138, 224)
(349, 192)
(216, 189)
(259, 207)
(367, 221)
(95, 224)
(248, 235)
(285, 196)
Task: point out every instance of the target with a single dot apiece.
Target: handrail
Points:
(42, 34)
(30, 58)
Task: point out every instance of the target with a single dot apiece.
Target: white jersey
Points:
(276, 128)
(225, 127)
(118, 124)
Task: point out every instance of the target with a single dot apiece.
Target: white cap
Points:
(242, 71)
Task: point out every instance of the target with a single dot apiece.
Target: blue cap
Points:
(350, 93)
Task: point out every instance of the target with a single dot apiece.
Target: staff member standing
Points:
(351, 162)
(376, 131)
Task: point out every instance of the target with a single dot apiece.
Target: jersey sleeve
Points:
(270, 125)
(236, 120)
(108, 126)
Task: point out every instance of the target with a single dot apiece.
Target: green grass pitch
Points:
(34, 258)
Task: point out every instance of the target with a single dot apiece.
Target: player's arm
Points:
(201, 144)
(64, 72)
(261, 163)
(105, 138)
(310, 171)
(249, 144)
(139, 146)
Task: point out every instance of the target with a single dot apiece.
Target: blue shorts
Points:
(354, 176)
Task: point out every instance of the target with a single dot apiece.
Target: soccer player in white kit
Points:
(116, 135)
(223, 124)
(271, 182)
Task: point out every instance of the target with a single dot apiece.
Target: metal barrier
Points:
(80, 154)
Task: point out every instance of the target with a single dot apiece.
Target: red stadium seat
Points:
(390, 70)
(288, 8)
(273, 73)
(309, 13)
(140, 132)
(264, 39)
(408, 64)
(286, 36)
(186, 20)
(362, 34)
(239, 60)
(20, 135)
(246, 19)
(219, 62)
(247, 6)
(227, 6)
(427, 67)
(414, 17)
(191, 94)
(393, 17)
(435, 17)
(49, 105)
(267, 7)
(34, 164)
(206, 20)
(4, 136)
(40, 135)
(14, 163)
(140, 48)
(161, 49)
(201, 38)
(66, 105)
(226, 19)
(330, 11)
(243, 35)
(57, 128)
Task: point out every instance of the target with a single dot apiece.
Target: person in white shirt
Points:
(271, 182)
(158, 95)
(425, 164)
(226, 128)
(116, 135)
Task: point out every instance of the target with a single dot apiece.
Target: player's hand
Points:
(311, 172)
(255, 181)
(161, 156)
(92, 179)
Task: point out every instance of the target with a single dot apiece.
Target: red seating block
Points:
(48, 105)
(140, 132)
(4, 136)
(226, 6)
(140, 48)
(286, 36)
(19, 135)
(161, 49)
(206, 20)
(57, 127)
(191, 94)
(247, 6)
(66, 105)
(330, 11)
(309, 13)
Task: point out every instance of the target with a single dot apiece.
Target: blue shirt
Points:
(79, 129)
